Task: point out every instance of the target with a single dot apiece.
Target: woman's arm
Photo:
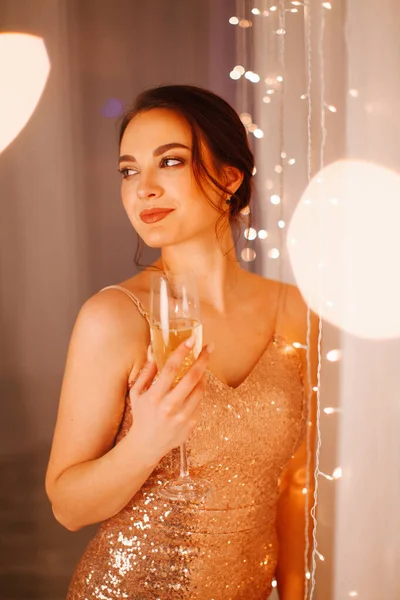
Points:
(292, 503)
(88, 480)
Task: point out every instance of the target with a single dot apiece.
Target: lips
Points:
(152, 215)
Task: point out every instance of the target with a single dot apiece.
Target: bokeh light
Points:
(24, 69)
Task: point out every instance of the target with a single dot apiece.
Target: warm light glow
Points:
(258, 133)
(275, 199)
(255, 11)
(24, 69)
(250, 233)
(248, 254)
(274, 253)
(262, 234)
(353, 594)
(327, 5)
(356, 238)
(291, 161)
(337, 473)
(233, 20)
(273, 8)
(281, 224)
(334, 355)
(278, 169)
(279, 78)
(274, 583)
(332, 108)
(246, 118)
(240, 69)
(266, 99)
(234, 75)
(354, 93)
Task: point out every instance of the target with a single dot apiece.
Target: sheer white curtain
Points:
(354, 62)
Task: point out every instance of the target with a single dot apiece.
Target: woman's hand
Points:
(163, 415)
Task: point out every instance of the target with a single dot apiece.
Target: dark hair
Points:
(214, 121)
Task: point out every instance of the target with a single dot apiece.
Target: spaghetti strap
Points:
(135, 300)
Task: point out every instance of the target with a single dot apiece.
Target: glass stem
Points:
(184, 466)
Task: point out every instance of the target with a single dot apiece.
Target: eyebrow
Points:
(157, 152)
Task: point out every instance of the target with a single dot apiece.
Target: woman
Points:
(186, 176)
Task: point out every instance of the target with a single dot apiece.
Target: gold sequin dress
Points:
(226, 549)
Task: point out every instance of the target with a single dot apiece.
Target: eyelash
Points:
(181, 161)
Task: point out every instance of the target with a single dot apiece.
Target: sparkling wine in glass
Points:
(175, 317)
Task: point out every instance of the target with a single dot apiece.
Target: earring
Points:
(229, 200)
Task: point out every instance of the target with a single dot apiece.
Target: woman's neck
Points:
(214, 265)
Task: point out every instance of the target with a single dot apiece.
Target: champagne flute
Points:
(174, 317)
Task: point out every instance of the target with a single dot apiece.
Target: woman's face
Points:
(156, 166)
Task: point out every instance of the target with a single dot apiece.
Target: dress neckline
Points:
(251, 372)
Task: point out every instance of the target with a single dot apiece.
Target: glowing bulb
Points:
(279, 78)
(245, 23)
(258, 133)
(240, 69)
(250, 233)
(283, 155)
(278, 169)
(270, 92)
(275, 199)
(24, 69)
(233, 20)
(266, 99)
(308, 575)
(245, 211)
(332, 108)
(234, 75)
(274, 253)
(273, 8)
(246, 118)
(274, 583)
(294, 10)
(281, 224)
(248, 254)
(256, 11)
(280, 31)
(354, 93)
(334, 355)
(304, 491)
(304, 96)
(353, 594)
(262, 234)
(327, 5)
(321, 558)
(291, 161)
(337, 473)
(254, 171)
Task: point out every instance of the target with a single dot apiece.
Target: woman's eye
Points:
(127, 172)
(171, 162)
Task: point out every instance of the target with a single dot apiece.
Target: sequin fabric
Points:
(226, 549)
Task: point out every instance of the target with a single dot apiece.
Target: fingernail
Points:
(190, 342)
(210, 347)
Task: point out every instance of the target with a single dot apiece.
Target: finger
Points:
(189, 410)
(178, 396)
(171, 368)
(144, 379)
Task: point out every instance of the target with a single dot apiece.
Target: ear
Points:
(233, 178)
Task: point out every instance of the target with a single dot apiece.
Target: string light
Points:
(250, 233)
(234, 21)
(281, 224)
(354, 93)
(273, 8)
(248, 254)
(262, 234)
(334, 355)
(258, 133)
(327, 5)
(331, 108)
(330, 410)
(274, 253)
(245, 23)
(275, 199)
(274, 583)
(256, 11)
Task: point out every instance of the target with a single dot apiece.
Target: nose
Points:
(148, 187)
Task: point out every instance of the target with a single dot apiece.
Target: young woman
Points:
(186, 176)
